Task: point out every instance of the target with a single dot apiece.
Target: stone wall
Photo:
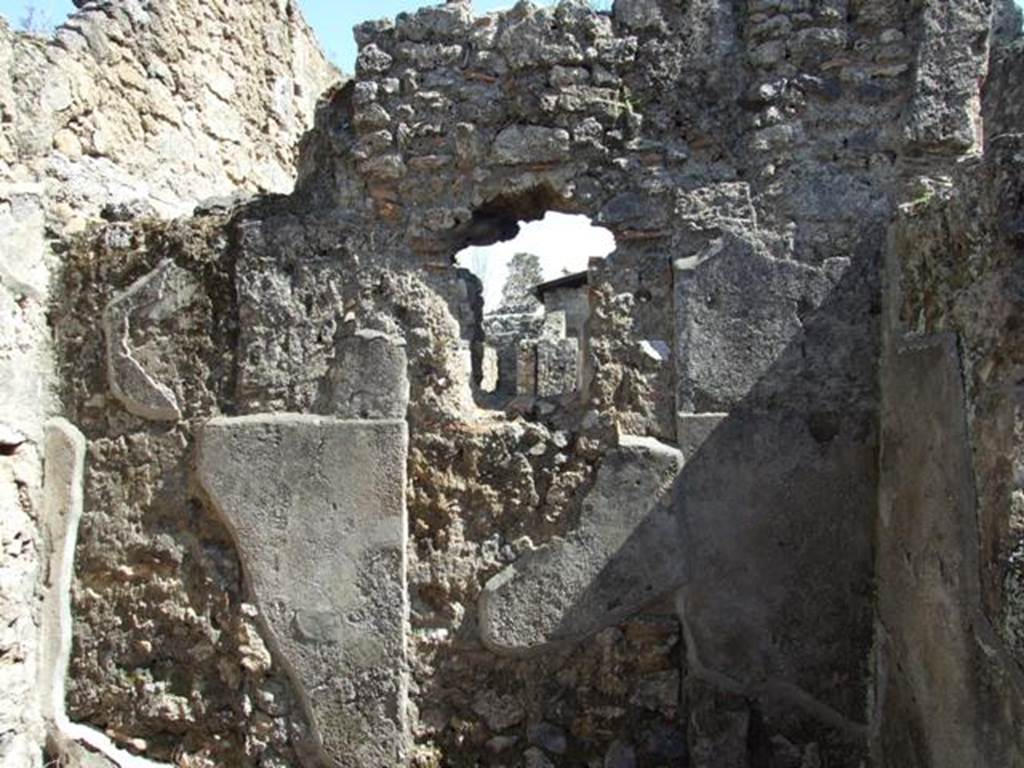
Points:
(713, 149)
(504, 331)
(677, 566)
(129, 108)
(575, 303)
(949, 646)
(168, 102)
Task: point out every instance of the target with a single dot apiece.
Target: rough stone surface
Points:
(367, 379)
(318, 510)
(693, 430)
(557, 367)
(942, 662)
(530, 145)
(107, 104)
(93, 122)
(950, 525)
(748, 159)
(737, 311)
(597, 575)
(505, 331)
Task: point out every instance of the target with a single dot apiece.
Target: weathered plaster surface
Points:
(94, 121)
(317, 507)
(749, 162)
(606, 569)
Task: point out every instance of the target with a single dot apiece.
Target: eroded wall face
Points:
(675, 567)
(129, 109)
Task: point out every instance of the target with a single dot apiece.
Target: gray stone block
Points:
(317, 507)
(624, 553)
(530, 145)
(138, 368)
(368, 378)
(736, 311)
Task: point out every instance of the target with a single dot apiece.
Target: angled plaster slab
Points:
(135, 370)
(317, 507)
(625, 552)
(941, 668)
(736, 311)
(65, 450)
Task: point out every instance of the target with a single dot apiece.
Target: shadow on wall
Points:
(767, 530)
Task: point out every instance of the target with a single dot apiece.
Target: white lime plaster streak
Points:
(62, 509)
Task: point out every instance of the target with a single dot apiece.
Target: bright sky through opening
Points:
(563, 243)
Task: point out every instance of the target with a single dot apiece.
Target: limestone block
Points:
(138, 370)
(368, 378)
(736, 311)
(625, 552)
(530, 144)
(317, 507)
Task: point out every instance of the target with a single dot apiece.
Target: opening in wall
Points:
(535, 306)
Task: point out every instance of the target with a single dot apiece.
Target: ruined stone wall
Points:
(129, 108)
(170, 102)
(504, 331)
(744, 163)
(678, 565)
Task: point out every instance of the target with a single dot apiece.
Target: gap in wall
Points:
(536, 303)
